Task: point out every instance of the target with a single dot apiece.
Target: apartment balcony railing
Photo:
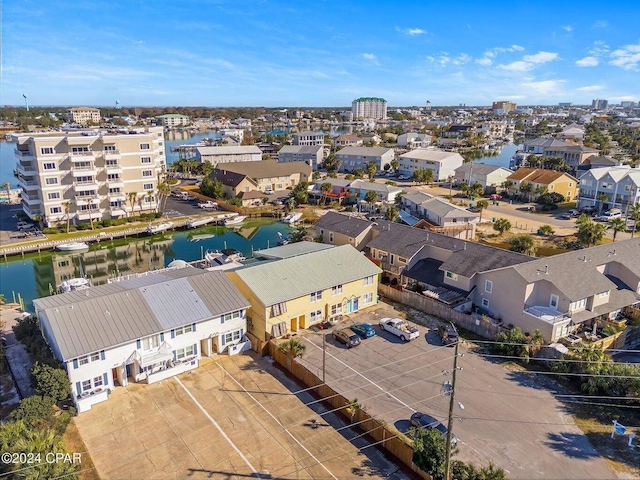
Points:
(29, 184)
(111, 153)
(588, 195)
(81, 156)
(24, 153)
(25, 169)
(85, 183)
(113, 166)
(547, 314)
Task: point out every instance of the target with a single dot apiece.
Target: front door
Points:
(294, 324)
(302, 321)
(355, 304)
(348, 307)
(114, 375)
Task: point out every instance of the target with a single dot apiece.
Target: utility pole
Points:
(450, 422)
(324, 355)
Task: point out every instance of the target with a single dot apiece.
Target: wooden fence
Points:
(391, 440)
(433, 307)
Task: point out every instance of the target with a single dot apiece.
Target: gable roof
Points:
(479, 168)
(308, 149)
(446, 209)
(364, 151)
(106, 316)
(546, 142)
(343, 224)
(299, 276)
(266, 168)
(433, 155)
(538, 175)
(373, 186)
(228, 178)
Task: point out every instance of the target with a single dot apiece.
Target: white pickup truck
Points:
(208, 205)
(400, 328)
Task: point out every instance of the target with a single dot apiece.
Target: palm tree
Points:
(590, 233)
(371, 169)
(395, 164)
(132, 196)
(164, 190)
(502, 225)
(634, 213)
(617, 225)
(90, 202)
(601, 197)
(325, 188)
(150, 197)
(526, 188)
(391, 214)
(464, 188)
(67, 212)
(292, 348)
(371, 197)
(523, 243)
(482, 204)
(7, 187)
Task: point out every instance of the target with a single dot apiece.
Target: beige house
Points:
(84, 115)
(337, 229)
(542, 180)
(269, 174)
(91, 174)
(305, 289)
(234, 184)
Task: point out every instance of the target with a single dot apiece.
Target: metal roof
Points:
(292, 250)
(282, 280)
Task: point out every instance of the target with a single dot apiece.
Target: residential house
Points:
(572, 131)
(352, 158)
(386, 193)
(440, 215)
(538, 146)
(143, 329)
(311, 154)
(458, 131)
(237, 133)
(442, 163)
(338, 229)
(597, 161)
(414, 140)
(269, 174)
(228, 154)
(234, 184)
(543, 181)
(573, 155)
(306, 289)
(620, 185)
(308, 138)
(347, 141)
(371, 138)
(558, 295)
(339, 189)
(491, 177)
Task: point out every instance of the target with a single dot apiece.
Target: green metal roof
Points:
(294, 277)
(364, 99)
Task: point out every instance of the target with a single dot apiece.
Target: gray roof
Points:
(343, 224)
(292, 250)
(546, 142)
(229, 150)
(364, 151)
(446, 209)
(102, 317)
(432, 155)
(309, 149)
(475, 257)
(298, 276)
(576, 273)
(480, 168)
(375, 187)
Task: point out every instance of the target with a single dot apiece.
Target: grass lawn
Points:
(74, 444)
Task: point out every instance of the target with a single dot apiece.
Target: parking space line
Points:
(215, 424)
(277, 421)
(366, 378)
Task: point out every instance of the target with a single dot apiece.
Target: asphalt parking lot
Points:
(232, 418)
(507, 417)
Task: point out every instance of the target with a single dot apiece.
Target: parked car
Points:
(448, 334)
(363, 329)
(403, 177)
(610, 215)
(570, 214)
(347, 336)
(208, 205)
(423, 420)
(495, 196)
(25, 226)
(589, 209)
(400, 328)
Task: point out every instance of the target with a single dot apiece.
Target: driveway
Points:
(232, 418)
(508, 418)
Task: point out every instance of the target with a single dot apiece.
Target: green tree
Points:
(634, 213)
(331, 163)
(50, 382)
(7, 188)
(476, 190)
(300, 193)
(164, 191)
(546, 230)
(464, 188)
(523, 243)
(423, 175)
(371, 197)
(550, 198)
(212, 187)
(502, 225)
(617, 225)
(391, 214)
(35, 411)
(482, 204)
(358, 173)
(395, 164)
(325, 188)
(292, 348)
(601, 198)
(371, 168)
(67, 211)
(132, 197)
(430, 451)
(590, 233)
(526, 188)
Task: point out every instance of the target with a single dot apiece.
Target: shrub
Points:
(546, 230)
(50, 231)
(50, 382)
(35, 412)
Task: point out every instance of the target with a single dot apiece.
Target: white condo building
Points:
(89, 174)
(369, 108)
(442, 163)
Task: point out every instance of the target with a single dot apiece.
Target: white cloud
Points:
(600, 24)
(541, 57)
(567, 28)
(518, 66)
(411, 31)
(444, 59)
(627, 57)
(484, 61)
(587, 62)
(461, 59)
(544, 87)
(369, 56)
(590, 88)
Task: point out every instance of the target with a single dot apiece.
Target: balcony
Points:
(25, 154)
(111, 154)
(86, 214)
(86, 199)
(27, 184)
(81, 156)
(84, 171)
(117, 196)
(547, 314)
(84, 184)
(30, 200)
(115, 182)
(25, 168)
(113, 168)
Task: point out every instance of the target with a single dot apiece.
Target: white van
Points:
(611, 214)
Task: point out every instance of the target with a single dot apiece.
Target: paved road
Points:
(507, 418)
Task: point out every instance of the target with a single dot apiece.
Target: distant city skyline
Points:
(243, 53)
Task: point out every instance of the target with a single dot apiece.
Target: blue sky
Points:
(320, 53)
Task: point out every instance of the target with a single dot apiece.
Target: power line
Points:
(572, 347)
(541, 359)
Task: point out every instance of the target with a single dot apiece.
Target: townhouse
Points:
(491, 177)
(89, 174)
(308, 138)
(265, 175)
(573, 155)
(540, 180)
(347, 141)
(311, 154)
(620, 185)
(306, 289)
(337, 229)
(442, 163)
(171, 120)
(143, 329)
(352, 158)
(438, 215)
(228, 154)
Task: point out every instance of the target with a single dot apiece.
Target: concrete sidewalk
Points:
(17, 356)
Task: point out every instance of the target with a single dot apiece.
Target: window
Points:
(488, 286)
(331, 236)
(147, 173)
(97, 381)
(53, 195)
(113, 191)
(278, 309)
(147, 186)
(144, 146)
(337, 290)
(83, 360)
(49, 165)
(367, 298)
(181, 330)
(150, 343)
(452, 276)
(603, 294)
(110, 148)
(336, 309)
(184, 352)
(145, 159)
(316, 296)
(55, 210)
(47, 150)
(86, 385)
(392, 259)
(229, 337)
(51, 181)
(316, 316)
(230, 316)
(368, 280)
(402, 260)
(553, 302)
(485, 303)
(79, 149)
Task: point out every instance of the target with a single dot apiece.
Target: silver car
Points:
(347, 336)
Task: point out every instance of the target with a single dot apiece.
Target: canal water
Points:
(38, 275)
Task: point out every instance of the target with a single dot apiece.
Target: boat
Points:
(161, 227)
(293, 217)
(74, 284)
(282, 240)
(222, 257)
(198, 222)
(235, 220)
(72, 247)
(204, 236)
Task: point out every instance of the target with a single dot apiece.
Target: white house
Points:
(441, 216)
(414, 140)
(142, 329)
(442, 163)
(621, 185)
(352, 158)
(228, 154)
(491, 176)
